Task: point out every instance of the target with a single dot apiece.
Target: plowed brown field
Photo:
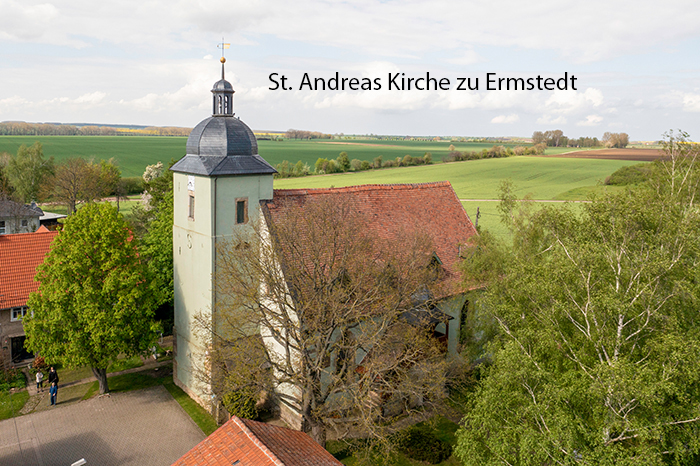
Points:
(642, 155)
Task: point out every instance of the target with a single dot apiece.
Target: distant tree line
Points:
(300, 134)
(343, 164)
(556, 138)
(21, 128)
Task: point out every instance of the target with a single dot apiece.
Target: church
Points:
(222, 186)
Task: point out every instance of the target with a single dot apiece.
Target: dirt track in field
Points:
(641, 155)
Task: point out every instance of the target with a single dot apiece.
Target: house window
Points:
(190, 215)
(24, 222)
(241, 211)
(18, 313)
(2, 227)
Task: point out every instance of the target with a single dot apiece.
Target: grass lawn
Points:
(7, 409)
(72, 375)
(198, 414)
(122, 364)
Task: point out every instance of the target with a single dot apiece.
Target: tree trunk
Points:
(101, 376)
(318, 433)
(310, 423)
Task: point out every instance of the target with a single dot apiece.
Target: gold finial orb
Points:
(223, 60)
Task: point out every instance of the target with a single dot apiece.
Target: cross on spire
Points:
(223, 46)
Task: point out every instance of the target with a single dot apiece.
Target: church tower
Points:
(217, 188)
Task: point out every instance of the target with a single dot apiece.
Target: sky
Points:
(153, 62)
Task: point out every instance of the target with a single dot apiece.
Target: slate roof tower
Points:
(218, 186)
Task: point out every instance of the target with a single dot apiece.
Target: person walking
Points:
(53, 376)
(39, 381)
(53, 392)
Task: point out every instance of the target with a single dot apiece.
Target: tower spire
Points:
(223, 91)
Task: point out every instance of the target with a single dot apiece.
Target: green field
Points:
(542, 178)
(133, 153)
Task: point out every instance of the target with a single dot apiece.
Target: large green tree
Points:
(28, 171)
(599, 335)
(94, 300)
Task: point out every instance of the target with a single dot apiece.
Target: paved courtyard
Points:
(143, 427)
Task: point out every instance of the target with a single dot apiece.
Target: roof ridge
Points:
(362, 187)
(257, 441)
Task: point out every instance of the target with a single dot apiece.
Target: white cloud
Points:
(548, 120)
(512, 118)
(24, 21)
(410, 28)
(568, 102)
(691, 102)
(91, 98)
(591, 120)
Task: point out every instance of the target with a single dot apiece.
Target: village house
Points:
(223, 186)
(25, 218)
(244, 442)
(19, 218)
(20, 254)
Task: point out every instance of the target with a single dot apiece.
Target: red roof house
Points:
(20, 254)
(242, 442)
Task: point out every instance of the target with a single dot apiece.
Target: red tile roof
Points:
(20, 254)
(396, 209)
(249, 443)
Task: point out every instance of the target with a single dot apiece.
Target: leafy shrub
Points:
(356, 164)
(13, 378)
(300, 169)
(633, 174)
(241, 404)
(320, 164)
(343, 162)
(132, 185)
(365, 165)
(422, 445)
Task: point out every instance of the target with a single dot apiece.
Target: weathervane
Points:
(223, 46)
